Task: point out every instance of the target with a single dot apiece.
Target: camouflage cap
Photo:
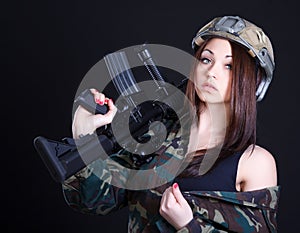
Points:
(246, 34)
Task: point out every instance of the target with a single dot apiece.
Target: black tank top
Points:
(222, 177)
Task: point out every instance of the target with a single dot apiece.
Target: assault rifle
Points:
(66, 157)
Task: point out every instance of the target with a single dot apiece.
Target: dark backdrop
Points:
(47, 48)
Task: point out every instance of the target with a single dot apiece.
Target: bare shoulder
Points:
(257, 169)
(260, 156)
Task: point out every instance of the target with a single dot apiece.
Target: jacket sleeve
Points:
(253, 211)
(91, 190)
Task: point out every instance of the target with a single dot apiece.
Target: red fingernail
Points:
(106, 101)
(98, 101)
(175, 186)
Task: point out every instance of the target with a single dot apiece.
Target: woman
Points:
(235, 65)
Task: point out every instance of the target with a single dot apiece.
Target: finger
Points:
(98, 97)
(112, 107)
(177, 193)
(163, 198)
(169, 199)
(100, 120)
(93, 90)
(106, 100)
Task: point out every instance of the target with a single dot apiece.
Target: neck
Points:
(210, 130)
(216, 116)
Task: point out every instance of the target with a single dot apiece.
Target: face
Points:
(213, 75)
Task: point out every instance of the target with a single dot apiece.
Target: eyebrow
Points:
(211, 52)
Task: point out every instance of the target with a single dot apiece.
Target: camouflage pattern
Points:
(251, 33)
(253, 211)
(91, 191)
(214, 211)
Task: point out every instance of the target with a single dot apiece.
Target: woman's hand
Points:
(174, 208)
(85, 122)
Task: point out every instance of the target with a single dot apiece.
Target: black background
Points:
(48, 47)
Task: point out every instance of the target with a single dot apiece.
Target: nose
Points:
(213, 71)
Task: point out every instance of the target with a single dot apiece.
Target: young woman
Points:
(237, 191)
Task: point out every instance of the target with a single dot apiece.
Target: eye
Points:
(205, 60)
(228, 66)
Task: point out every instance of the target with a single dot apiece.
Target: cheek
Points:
(227, 89)
(200, 69)
(199, 74)
(198, 81)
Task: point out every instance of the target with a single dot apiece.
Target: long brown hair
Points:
(246, 75)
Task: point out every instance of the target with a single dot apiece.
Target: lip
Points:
(208, 87)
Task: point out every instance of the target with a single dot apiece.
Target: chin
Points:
(211, 99)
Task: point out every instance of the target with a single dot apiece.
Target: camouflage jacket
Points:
(105, 186)
(214, 211)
